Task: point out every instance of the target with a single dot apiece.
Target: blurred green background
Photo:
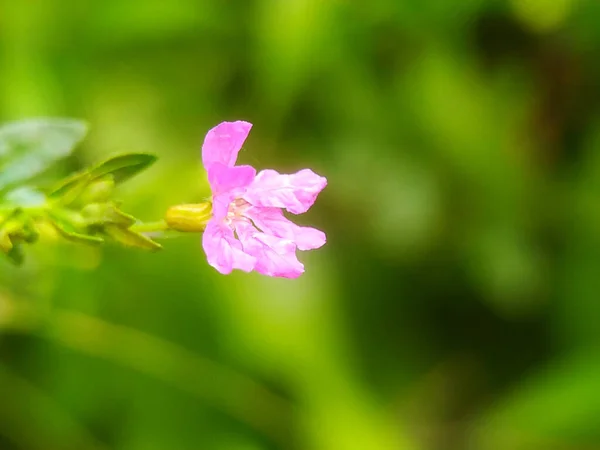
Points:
(457, 302)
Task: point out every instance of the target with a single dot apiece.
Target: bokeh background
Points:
(457, 302)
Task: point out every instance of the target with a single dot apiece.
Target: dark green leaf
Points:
(6, 244)
(29, 147)
(69, 231)
(29, 232)
(15, 229)
(16, 255)
(103, 213)
(96, 183)
(11, 225)
(130, 238)
(123, 167)
(70, 188)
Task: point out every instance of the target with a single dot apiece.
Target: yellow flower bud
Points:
(191, 218)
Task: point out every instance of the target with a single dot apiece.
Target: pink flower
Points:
(248, 230)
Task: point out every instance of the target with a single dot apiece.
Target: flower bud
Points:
(191, 218)
(97, 191)
(94, 212)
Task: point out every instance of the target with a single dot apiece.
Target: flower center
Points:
(236, 210)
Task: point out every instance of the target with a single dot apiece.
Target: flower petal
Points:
(296, 192)
(220, 206)
(223, 143)
(275, 257)
(223, 251)
(224, 179)
(272, 221)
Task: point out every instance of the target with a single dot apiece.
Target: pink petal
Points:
(273, 222)
(275, 257)
(223, 179)
(220, 205)
(296, 192)
(223, 143)
(223, 251)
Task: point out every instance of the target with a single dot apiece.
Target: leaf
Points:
(11, 228)
(66, 229)
(112, 171)
(29, 147)
(69, 188)
(25, 197)
(16, 228)
(102, 213)
(16, 255)
(123, 167)
(121, 218)
(6, 244)
(130, 238)
(9, 216)
(24, 229)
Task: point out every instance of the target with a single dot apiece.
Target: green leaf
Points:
(103, 213)
(11, 228)
(65, 227)
(123, 167)
(29, 147)
(9, 216)
(16, 255)
(25, 196)
(69, 188)
(130, 238)
(6, 244)
(26, 230)
(111, 172)
(15, 228)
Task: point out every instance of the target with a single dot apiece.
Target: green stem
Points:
(150, 227)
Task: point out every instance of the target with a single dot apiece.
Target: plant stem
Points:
(150, 227)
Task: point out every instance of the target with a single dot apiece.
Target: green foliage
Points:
(455, 305)
(80, 208)
(130, 238)
(67, 225)
(122, 167)
(101, 177)
(16, 228)
(29, 147)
